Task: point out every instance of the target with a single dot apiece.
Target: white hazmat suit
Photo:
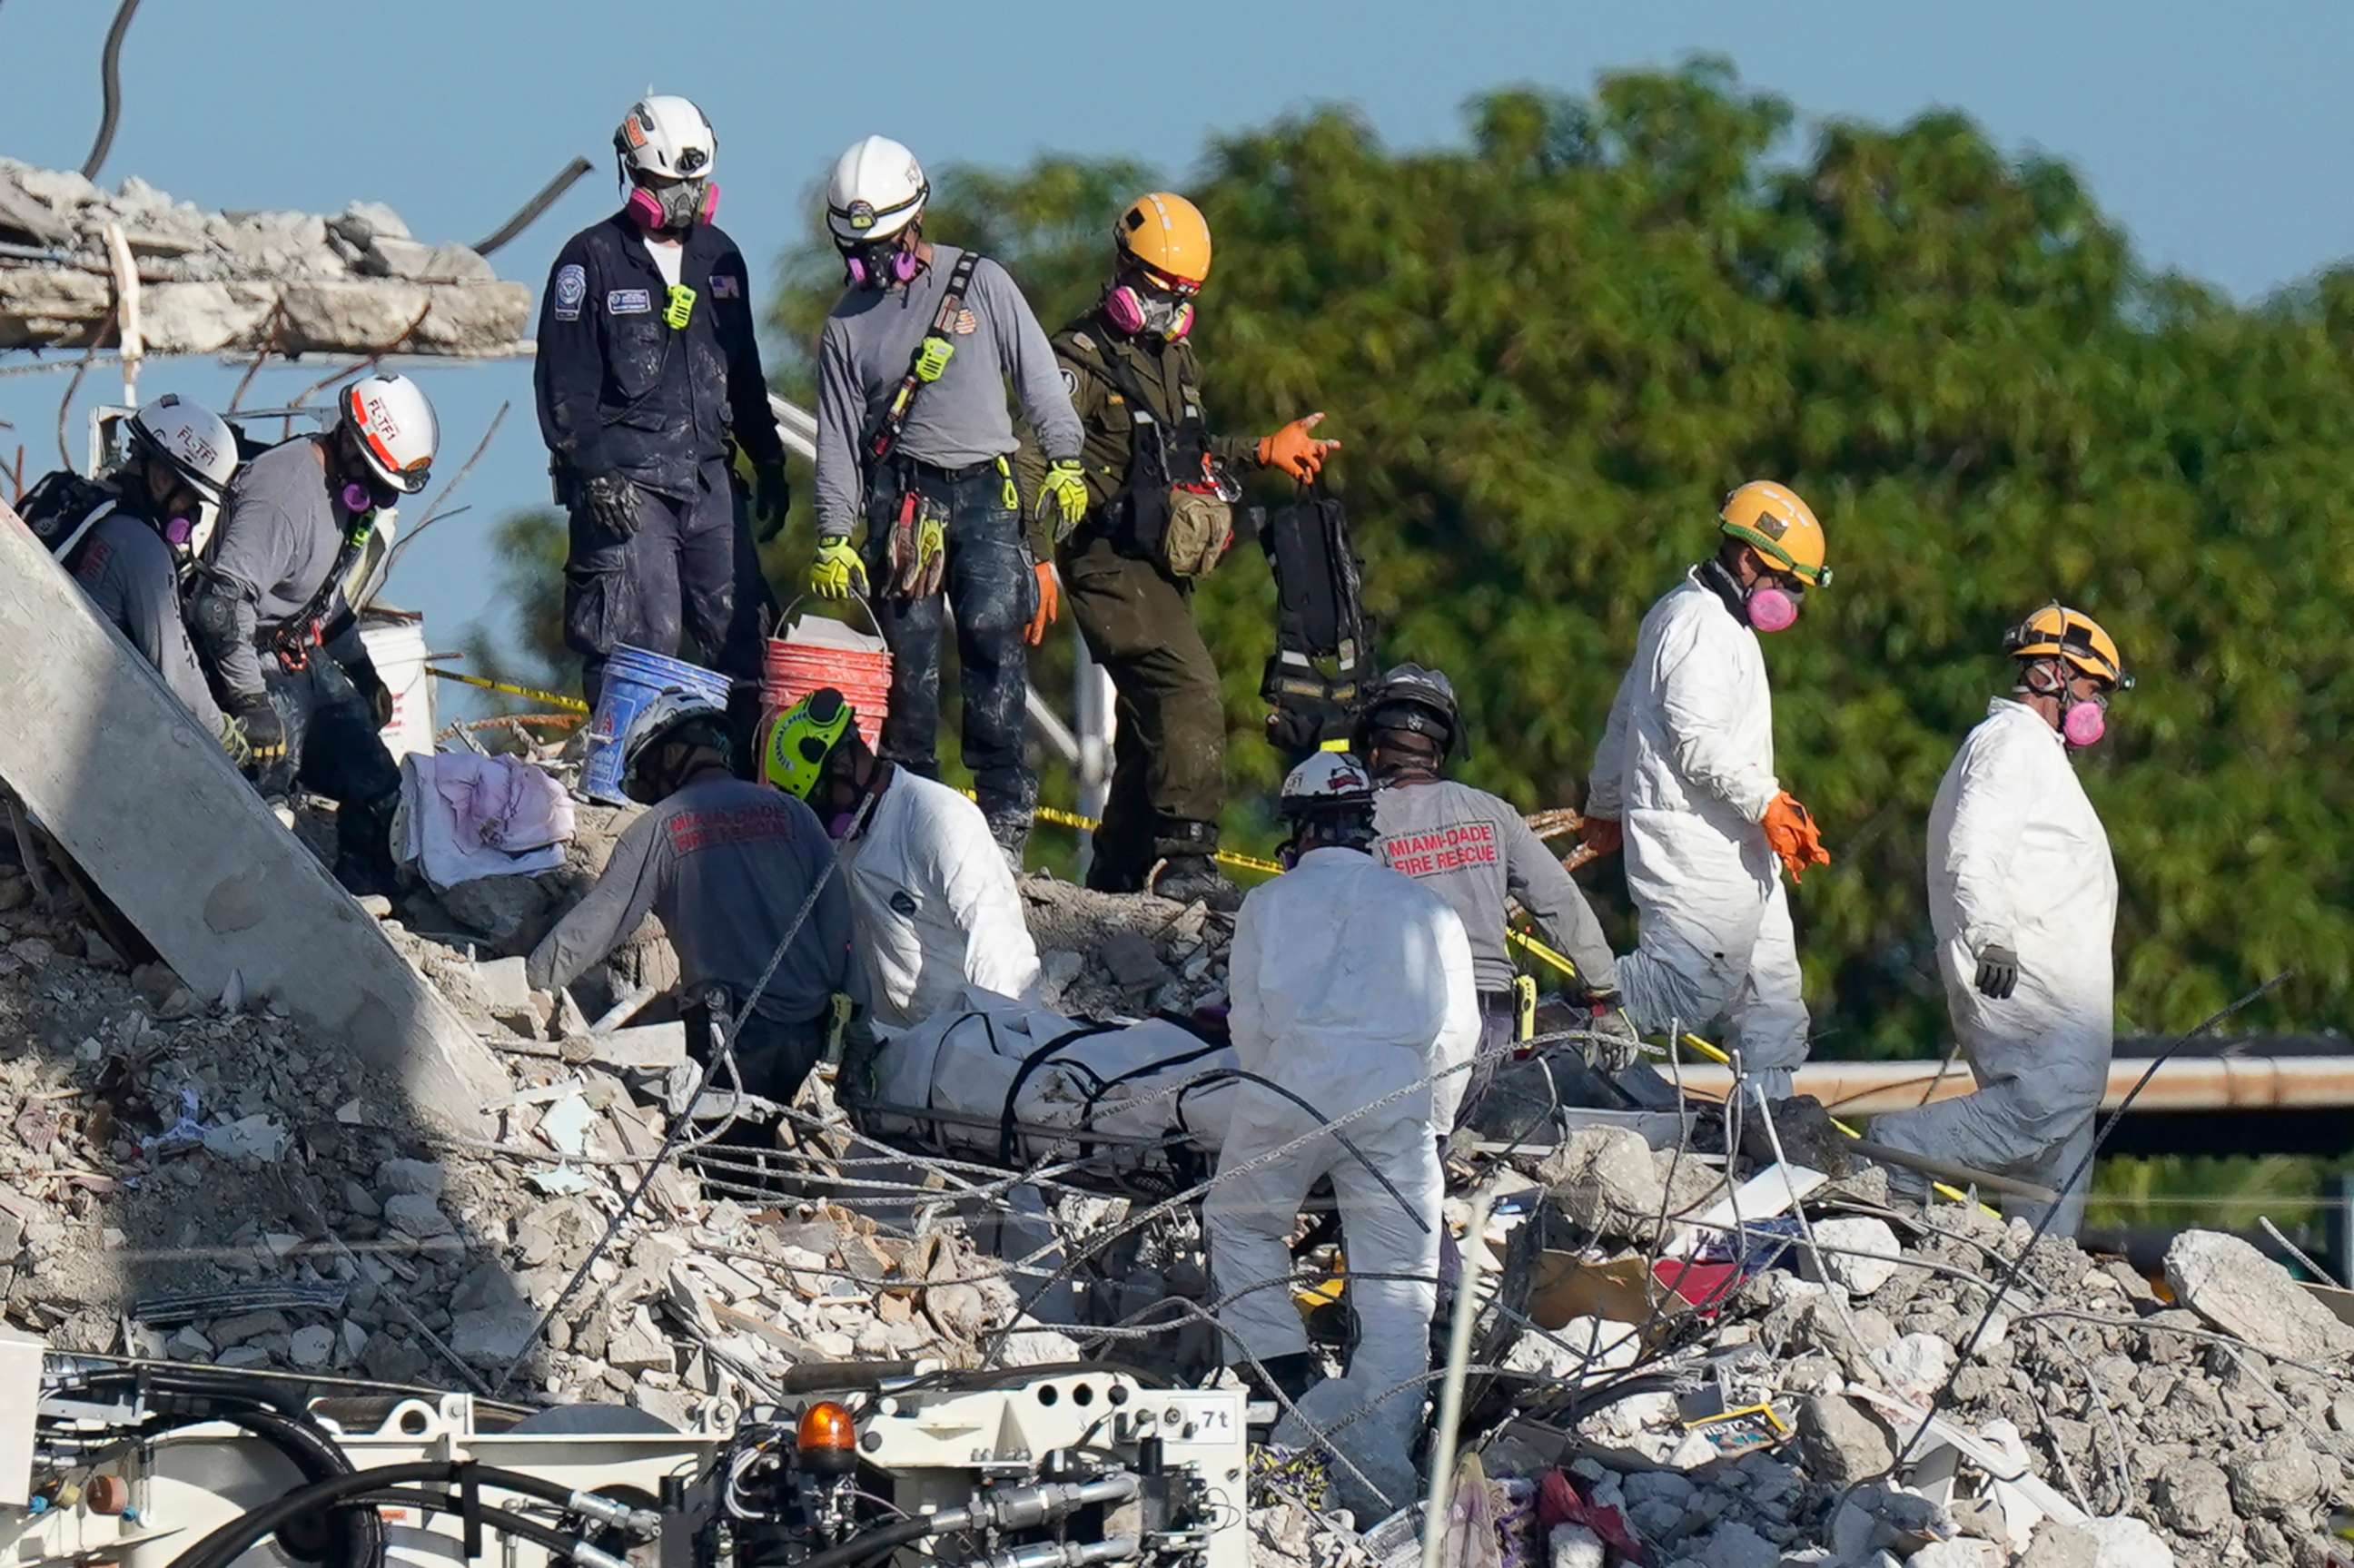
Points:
(2017, 859)
(1349, 982)
(1686, 767)
(933, 907)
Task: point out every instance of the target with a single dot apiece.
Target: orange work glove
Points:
(1791, 833)
(1603, 835)
(1050, 604)
(1295, 451)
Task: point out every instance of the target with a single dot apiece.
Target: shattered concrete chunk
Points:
(2240, 1290)
(2275, 1479)
(2192, 1497)
(415, 1215)
(1842, 1445)
(423, 1178)
(1842, 1239)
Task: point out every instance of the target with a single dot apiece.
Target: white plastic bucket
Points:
(397, 647)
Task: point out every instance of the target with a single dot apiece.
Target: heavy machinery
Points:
(149, 1464)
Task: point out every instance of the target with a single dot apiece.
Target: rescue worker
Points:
(727, 864)
(1685, 776)
(648, 369)
(129, 535)
(933, 907)
(1158, 485)
(2024, 901)
(913, 435)
(1476, 851)
(1349, 982)
(275, 631)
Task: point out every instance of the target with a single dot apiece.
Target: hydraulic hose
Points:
(273, 1414)
(553, 1542)
(232, 1540)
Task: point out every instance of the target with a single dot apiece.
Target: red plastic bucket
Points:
(820, 652)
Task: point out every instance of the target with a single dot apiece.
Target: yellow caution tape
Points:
(1089, 825)
(569, 705)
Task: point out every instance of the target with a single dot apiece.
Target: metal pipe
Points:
(1450, 1393)
(2190, 1084)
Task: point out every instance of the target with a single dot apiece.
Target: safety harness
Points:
(1173, 506)
(292, 640)
(886, 434)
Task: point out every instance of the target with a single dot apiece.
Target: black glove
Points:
(265, 736)
(772, 497)
(1998, 971)
(613, 504)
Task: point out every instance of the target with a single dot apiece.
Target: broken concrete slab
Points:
(2240, 1290)
(118, 772)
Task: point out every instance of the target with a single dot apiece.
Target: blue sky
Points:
(2216, 133)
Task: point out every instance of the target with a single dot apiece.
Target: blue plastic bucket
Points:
(633, 678)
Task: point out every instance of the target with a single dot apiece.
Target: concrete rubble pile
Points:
(1714, 1383)
(258, 1202)
(236, 281)
(1755, 1421)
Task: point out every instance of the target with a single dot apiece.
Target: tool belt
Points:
(907, 535)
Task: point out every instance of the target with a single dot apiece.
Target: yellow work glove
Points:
(836, 566)
(1064, 489)
(932, 357)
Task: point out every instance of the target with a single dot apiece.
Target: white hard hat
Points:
(197, 442)
(1330, 781)
(666, 136)
(396, 427)
(877, 189)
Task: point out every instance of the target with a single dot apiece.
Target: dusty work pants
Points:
(690, 566)
(1740, 967)
(2041, 1060)
(1169, 753)
(990, 586)
(332, 749)
(1248, 1219)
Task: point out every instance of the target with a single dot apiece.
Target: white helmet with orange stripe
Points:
(392, 423)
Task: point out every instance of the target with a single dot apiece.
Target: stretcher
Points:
(1128, 1107)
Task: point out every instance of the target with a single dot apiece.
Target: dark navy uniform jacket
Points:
(622, 391)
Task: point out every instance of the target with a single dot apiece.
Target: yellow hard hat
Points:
(1780, 526)
(2055, 630)
(800, 741)
(1167, 233)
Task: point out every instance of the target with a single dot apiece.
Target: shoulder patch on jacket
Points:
(571, 289)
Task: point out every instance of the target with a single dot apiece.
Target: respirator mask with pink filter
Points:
(2083, 720)
(673, 203)
(1773, 606)
(880, 263)
(1143, 301)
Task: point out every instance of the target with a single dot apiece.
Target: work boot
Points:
(1011, 829)
(1195, 878)
(1189, 870)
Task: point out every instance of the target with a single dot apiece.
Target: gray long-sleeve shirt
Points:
(1472, 850)
(958, 420)
(127, 570)
(727, 865)
(281, 529)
